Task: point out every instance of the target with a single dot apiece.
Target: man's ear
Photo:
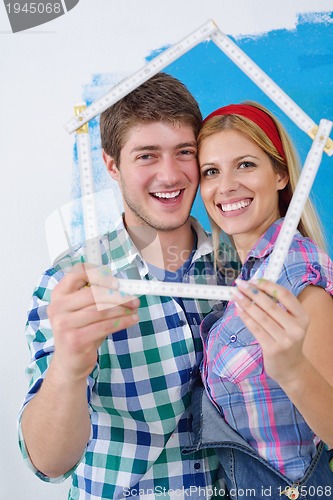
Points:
(111, 165)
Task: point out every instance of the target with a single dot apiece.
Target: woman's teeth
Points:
(229, 207)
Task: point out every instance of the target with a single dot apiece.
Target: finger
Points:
(102, 276)
(90, 316)
(82, 274)
(281, 295)
(265, 339)
(272, 305)
(265, 302)
(72, 281)
(71, 295)
(100, 330)
(108, 298)
(279, 324)
(260, 318)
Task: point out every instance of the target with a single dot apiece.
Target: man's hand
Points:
(83, 316)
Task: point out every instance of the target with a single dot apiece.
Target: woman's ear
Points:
(282, 180)
(111, 165)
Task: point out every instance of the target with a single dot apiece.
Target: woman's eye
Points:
(246, 164)
(209, 172)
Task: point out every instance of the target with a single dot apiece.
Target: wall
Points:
(45, 71)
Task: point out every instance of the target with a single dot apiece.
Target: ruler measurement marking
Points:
(183, 290)
(125, 86)
(298, 201)
(321, 143)
(224, 43)
(265, 83)
(87, 191)
(260, 78)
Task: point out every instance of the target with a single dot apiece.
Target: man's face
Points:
(158, 175)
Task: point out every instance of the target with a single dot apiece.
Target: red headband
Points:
(257, 116)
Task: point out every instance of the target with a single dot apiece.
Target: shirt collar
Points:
(123, 252)
(204, 245)
(264, 246)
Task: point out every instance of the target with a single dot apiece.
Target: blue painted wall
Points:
(300, 61)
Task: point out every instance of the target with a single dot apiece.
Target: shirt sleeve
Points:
(306, 265)
(40, 341)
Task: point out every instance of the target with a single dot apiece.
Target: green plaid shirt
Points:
(139, 391)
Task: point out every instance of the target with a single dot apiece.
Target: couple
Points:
(110, 387)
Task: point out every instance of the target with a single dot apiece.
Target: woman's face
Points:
(239, 186)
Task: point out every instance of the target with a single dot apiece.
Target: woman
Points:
(268, 356)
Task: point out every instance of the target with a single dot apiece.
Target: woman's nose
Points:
(228, 182)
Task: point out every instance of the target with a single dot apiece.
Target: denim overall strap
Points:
(246, 473)
(208, 429)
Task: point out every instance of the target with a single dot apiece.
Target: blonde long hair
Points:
(309, 224)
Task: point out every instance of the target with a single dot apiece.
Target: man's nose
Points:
(169, 170)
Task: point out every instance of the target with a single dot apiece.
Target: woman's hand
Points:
(278, 321)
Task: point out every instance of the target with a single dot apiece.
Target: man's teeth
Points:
(167, 195)
(235, 206)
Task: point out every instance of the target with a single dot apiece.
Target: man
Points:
(110, 386)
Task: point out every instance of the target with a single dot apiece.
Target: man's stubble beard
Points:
(148, 219)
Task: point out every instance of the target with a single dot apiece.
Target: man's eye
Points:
(145, 157)
(188, 152)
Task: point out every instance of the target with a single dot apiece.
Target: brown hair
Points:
(161, 98)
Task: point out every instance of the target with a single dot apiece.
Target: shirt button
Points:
(182, 322)
(197, 465)
(233, 338)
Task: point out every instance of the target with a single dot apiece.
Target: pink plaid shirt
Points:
(233, 372)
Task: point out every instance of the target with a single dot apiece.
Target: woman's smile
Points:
(239, 186)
